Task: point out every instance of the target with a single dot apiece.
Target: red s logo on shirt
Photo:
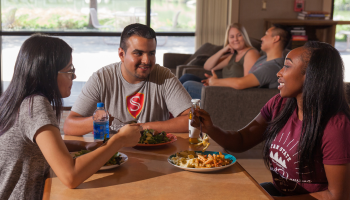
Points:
(135, 103)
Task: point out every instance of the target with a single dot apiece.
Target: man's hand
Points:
(211, 79)
(145, 126)
(111, 118)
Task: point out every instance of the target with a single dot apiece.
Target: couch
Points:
(232, 109)
(179, 63)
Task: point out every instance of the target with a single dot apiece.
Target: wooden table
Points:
(148, 175)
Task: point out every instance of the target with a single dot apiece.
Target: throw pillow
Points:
(205, 49)
(199, 60)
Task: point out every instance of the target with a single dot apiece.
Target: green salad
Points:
(115, 160)
(148, 137)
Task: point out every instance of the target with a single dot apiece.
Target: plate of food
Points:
(117, 159)
(198, 161)
(150, 138)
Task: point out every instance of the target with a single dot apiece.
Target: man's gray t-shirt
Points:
(265, 71)
(23, 167)
(147, 101)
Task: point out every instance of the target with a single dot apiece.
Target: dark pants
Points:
(271, 189)
(192, 84)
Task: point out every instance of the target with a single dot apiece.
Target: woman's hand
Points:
(220, 59)
(228, 49)
(130, 134)
(201, 116)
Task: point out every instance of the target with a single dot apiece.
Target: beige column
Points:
(212, 19)
(327, 5)
(233, 12)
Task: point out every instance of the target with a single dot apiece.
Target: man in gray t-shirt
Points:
(263, 72)
(134, 89)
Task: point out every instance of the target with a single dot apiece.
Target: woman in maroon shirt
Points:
(305, 128)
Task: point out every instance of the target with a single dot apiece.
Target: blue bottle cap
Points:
(100, 105)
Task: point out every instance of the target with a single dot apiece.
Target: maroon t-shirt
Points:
(335, 150)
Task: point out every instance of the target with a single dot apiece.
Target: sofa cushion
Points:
(199, 60)
(255, 43)
(205, 49)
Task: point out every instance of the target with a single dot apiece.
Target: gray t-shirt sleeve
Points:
(266, 74)
(85, 104)
(36, 112)
(176, 97)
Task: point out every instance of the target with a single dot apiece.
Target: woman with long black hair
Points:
(305, 128)
(30, 108)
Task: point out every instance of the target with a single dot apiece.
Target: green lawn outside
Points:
(73, 14)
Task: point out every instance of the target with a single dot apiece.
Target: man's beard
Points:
(141, 75)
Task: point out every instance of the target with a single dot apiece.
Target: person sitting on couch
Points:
(235, 59)
(263, 72)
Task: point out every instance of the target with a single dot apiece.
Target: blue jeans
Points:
(194, 88)
(192, 84)
(189, 77)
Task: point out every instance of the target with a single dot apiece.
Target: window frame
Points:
(83, 34)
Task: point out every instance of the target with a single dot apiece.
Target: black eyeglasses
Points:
(71, 71)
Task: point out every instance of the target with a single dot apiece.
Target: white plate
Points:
(227, 156)
(124, 160)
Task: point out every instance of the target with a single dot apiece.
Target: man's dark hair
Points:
(136, 29)
(283, 32)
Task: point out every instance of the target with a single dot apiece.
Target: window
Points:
(341, 13)
(173, 16)
(93, 47)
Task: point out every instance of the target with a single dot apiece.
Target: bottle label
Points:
(100, 129)
(193, 132)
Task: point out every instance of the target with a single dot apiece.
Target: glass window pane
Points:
(71, 15)
(341, 12)
(342, 44)
(173, 16)
(89, 55)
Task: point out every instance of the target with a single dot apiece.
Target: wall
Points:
(251, 15)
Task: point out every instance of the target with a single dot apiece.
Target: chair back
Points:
(94, 19)
(232, 109)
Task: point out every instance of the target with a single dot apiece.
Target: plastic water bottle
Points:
(101, 122)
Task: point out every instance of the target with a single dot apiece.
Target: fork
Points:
(128, 122)
(116, 127)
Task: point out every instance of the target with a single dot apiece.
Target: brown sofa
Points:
(179, 63)
(232, 109)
